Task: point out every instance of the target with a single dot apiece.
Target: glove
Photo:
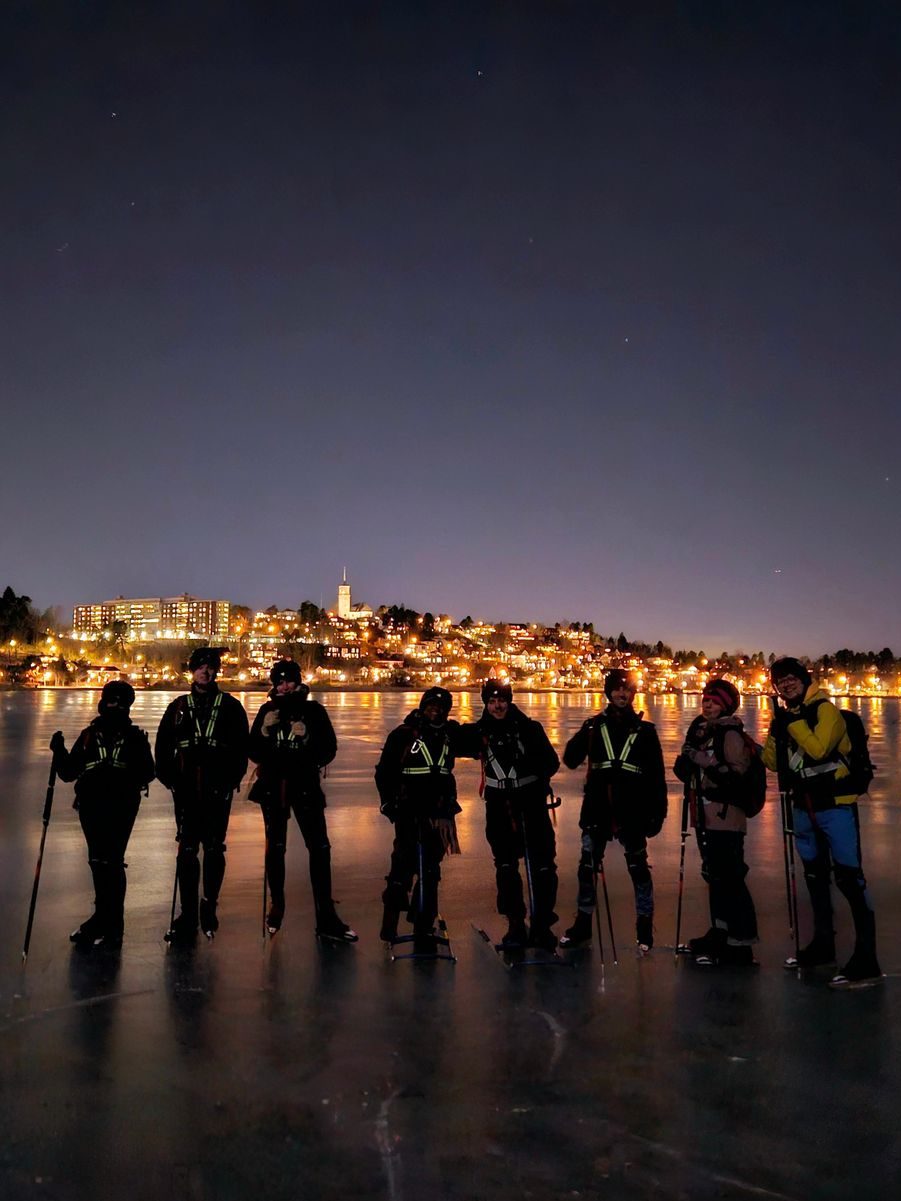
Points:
(389, 809)
(271, 719)
(58, 743)
(298, 729)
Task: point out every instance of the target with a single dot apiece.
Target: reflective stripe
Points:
(112, 758)
(796, 762)
(614, 760)
(501, 778)
(431, 767)
(510, 782)
(202, 736)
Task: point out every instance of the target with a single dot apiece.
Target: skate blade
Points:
(855, 985)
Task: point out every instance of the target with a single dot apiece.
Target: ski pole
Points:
(419, 862)
(597, 907)
(265, 927)
(684, 836)
(788, 829)
(45, 819)
(607, 907)
(528, 864)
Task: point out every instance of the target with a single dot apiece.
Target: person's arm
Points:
(824, 738)
(577, 748)
(388, 770)
(164, 749)
(141, 757)
(259, 741)
(326, 743)
(736, 752)
(239, 737)
(548, 762)
(655, 777)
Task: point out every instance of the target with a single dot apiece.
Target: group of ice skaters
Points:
(203, 746)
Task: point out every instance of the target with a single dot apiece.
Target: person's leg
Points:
(813, 851)
(187, 863)
(841, 828)
(402, 869)
(594, 844)
(541, 847)
(275, 823)
(635, 849)
(310, 814)
(505, 841)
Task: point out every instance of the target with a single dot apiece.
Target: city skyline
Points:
(562, 313)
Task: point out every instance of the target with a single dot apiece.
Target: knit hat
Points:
(617, 678)
(725, 694)
(285, 669)
(492, 688)
(206, 656)
(439, 696)
(787, 666)
(116, 692)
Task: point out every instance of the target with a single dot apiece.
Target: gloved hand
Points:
(389, 809)
(699, 757)
(269, 722)
(58, 743)
(299, 729)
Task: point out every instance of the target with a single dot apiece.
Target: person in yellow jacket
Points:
(808, 745)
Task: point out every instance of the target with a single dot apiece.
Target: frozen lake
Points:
(297, 1071)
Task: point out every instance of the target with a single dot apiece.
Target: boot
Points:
(89, 933)
(644, 931)
(330, 927)
(390, 918)
(819, 952)
(516, 935)
(706, 943)
(183, 932)
(275, 916)
(579, 931)
(542, 937)
(862, 969)
(209, 923)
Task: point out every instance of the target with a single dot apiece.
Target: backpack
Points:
(858, 762)
(748, 790)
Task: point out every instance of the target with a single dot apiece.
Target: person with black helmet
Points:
(111, 765)
(624, 798)
(291, 740)
(808, 743)
(201, 756)
(418, 794)
(714, 760)
(518, 762)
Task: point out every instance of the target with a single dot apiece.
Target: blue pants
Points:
(828, 842)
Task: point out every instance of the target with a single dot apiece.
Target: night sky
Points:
(533, 311)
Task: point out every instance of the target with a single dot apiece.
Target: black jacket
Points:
(431, 794)
(220, 766)
(634, 800)
(109, 758)
(517, 739)
(285, 757)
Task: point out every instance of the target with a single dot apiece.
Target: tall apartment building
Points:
(149, 618)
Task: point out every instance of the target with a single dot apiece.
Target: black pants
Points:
(416, 855)
(635, 848)
(202, 820)
(310, 814)
(517, 823)
(107, 824)
(723, 867)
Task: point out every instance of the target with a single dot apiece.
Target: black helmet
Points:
(285, 670)
(118, 693)
(209, 656)
(492, 688)
(617, 678)
(439, 696)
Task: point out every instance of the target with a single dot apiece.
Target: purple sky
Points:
(537, 311)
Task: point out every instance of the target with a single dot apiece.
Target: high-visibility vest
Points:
(614, 760)
(110, 757)
(428, 765)
(201, 736)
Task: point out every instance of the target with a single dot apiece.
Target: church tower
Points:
(344, 597)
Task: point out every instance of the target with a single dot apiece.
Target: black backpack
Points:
(858, 762)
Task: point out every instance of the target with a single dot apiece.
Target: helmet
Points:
(725, 694)
(118, 693)
(787, 666)
(492, 688)
(285, 670)
(438, 696)
(206, 656)
(617, 678)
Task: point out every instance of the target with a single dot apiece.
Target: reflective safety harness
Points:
(204, 736)
(111, 757)
(500, 778)
(428, 766)
(291, 741)
(614, 760)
